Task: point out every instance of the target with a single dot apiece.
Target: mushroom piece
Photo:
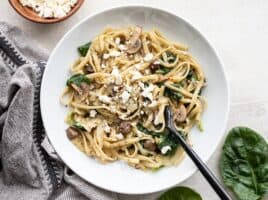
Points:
(72, 133)
(125, 128)
(180, 114)
(82, 90)
(89, 68)
(149, 145)
(154, 67)
(134, 44)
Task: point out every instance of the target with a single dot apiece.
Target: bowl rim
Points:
(226, 82)
(51, 20)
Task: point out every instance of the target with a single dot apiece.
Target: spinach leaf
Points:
(180, 193)
(170, 140)
(163, 70)
(83, 49)
(166, 139)
(244, 163)
(141, 128)
(77, 79)
(176, 96)
(71, 121)
(170, 57)
(191, 75)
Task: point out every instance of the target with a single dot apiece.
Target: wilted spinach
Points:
(174, 95)
(163, 70)
(180, 193)
(71, 121)
(83, 49)
(244, 163)
(169, 139)
(77, 79)
(166, 139)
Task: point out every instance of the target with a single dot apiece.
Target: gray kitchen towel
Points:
(29, 167)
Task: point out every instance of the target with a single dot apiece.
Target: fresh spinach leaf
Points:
(141, 128)
(163, 70)
(166, 139)
(83, 49)
(174, 95)
(191, 75)
(244, 163)
(170, 140)
(180, 193)
(77, 79)
(71, 121)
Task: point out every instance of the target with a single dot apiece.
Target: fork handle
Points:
(213, 181)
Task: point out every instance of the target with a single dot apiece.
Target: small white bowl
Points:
(118, 176)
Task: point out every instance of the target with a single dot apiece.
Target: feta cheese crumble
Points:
(105, 99)
(50, 8)
(148, 57)
(92, 113)
(117, 75)
(165, 149)
(119, 136)
(125, 96)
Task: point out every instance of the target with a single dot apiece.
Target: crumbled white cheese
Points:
(128, 88)
(148, 57)
(142, 112)
(50, 8)
(165, 149)
(114, 53)
(117, 75)
(92, 113)
(105, 99)
(147, 92)
(113, 109)
(103, 66)
(116, 88)
(125, 96)
(106, 128)
(117, 40)
(119, 136)
(105, 56)
(138, 66)
(136, 75)
(157, 62)
(122, 47)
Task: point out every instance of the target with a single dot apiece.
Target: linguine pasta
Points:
(119, 88)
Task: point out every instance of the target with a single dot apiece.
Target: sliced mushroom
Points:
(134, 44)
(180, 114)
(77, 89)
(149, 145)
(125, 128)
(89, 68)
(154, 67)
(72, 133)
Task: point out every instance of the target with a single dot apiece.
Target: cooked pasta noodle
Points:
(119, 89)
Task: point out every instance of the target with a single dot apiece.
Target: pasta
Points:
(119, 88)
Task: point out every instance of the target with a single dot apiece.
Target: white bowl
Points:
(118, 176)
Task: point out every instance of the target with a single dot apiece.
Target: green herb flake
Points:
(77, 79)
(83, 49)
(180, 193)
(244, 163)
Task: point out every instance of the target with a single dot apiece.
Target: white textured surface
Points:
(239, 31)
